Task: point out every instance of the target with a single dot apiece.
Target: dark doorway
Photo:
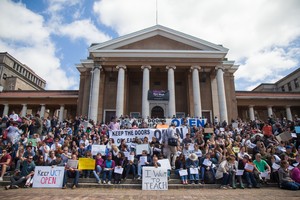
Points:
(157, 111)
(109, 115)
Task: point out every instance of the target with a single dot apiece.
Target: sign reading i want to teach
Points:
(155, 178)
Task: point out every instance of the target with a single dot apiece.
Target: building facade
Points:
(16, 76)
(157, 72)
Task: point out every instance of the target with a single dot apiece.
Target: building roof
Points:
(40, 94)
(266, 95)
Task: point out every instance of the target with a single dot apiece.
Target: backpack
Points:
(209, 177)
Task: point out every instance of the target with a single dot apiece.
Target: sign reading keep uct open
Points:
(48, 177)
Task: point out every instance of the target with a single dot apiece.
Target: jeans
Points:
(290, 185)
(71, 174)
(182, 178)
(108, 174)
(17, 180)
(251, 181)
(140, 169)
(194, 177)
(226, 178)
(96, 172)
(131, 168)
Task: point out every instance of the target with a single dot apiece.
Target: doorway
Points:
(157, 112)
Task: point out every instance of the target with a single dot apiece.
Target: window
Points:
(282, 88)
(296, 83)
(289, 86)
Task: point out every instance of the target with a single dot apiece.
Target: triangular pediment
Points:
(158, 38)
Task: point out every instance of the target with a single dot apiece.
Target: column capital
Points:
(197, 67)
(118, 67)
(170, 67)
(146, 67)
(96, 68)
(23, 104)
(42, 104)
(251, 106)
(220, 67)
(288, 106)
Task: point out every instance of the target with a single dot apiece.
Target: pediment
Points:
(157, 38)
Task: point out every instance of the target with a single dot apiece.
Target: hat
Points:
(193, 157)
(246, 157)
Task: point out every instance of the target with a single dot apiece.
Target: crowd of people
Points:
(237, 154)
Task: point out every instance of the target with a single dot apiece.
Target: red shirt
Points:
(267, 130)
(5, 158)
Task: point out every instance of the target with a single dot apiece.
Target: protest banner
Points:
(297, 129)
(286, 136)
(48, 177)
(155, 178)
(130, 134)
(72, 163)
(98, 149)
(86, 163)
(141, 147)
(208, 130)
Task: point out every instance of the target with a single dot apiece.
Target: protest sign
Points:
(32, 141)
(207, 162)
(275, 166)
(239, 172)
(72, 163)
(265, 175)
(183, 172)
(165, 163)
(118, 170)
(141, 147)
(286, 136)
(48, 177)
(155, 178)
(208, 130)
(297, 129)
(191, 147)
(86, 163)
(194, 171)
(98, 149)
(249, 167)
(143, 160)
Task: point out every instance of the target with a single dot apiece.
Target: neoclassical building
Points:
(157, 72)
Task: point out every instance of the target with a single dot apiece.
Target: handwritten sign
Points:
(208, 130)
(118, 170)
(183, 172)
(48, 177)
(194, 171)
(98, 149)
(32, 141)
(155, 178)
(141, 147)
(249, 167)
(207, 162)
(239, 172)
(275, 166)
(143, 160)
(72, 163)
(86, 163)
(165, 163)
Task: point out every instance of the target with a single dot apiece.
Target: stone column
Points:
(221, 94)
(215, 97)
(5, 110)
(196, 91)
(42, 112)
(251, 112)
(120, 90)
(288, 113)
(171, 88)
(24, 110)
(146, 87)
(270, 111)
(61, 113)
(94, 93)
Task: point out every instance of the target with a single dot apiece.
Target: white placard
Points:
(143, 160)
(295, 164)
(131, 158)
(265, 175)
(119, 170)
(249, 167)
(155, 178)
(294, 135)
(72, 163)
(251, 145)
(141, 147)
(222, 129)
(133, 145)
(165, 163)
(290, 167)
(191, 147)
(239, 172)
(194, 171)
(126, 154)
(157, 149)
(48, 177)
(207, 162)
(275, 166)
(183, 172)
(96, 148)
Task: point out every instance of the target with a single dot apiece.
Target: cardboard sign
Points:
(48, 177)
(155, 178)
(86, 163)
(98, 149)
(208, 130)
(286, 136)
(72, 163)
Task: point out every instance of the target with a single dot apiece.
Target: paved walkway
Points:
(94, 193)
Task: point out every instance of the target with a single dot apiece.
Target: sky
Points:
(52, 36)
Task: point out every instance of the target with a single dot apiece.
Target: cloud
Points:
(28, 40)
(255, 31)
(83, 29)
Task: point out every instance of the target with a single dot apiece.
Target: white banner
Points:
(48, 177)
(155, 178)
(130, 134)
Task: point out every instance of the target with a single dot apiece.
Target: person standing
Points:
(170, 141)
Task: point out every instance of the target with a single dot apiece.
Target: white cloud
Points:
(84, 29)
(255, 31)
(25, 37)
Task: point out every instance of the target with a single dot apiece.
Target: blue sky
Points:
(51, 36)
